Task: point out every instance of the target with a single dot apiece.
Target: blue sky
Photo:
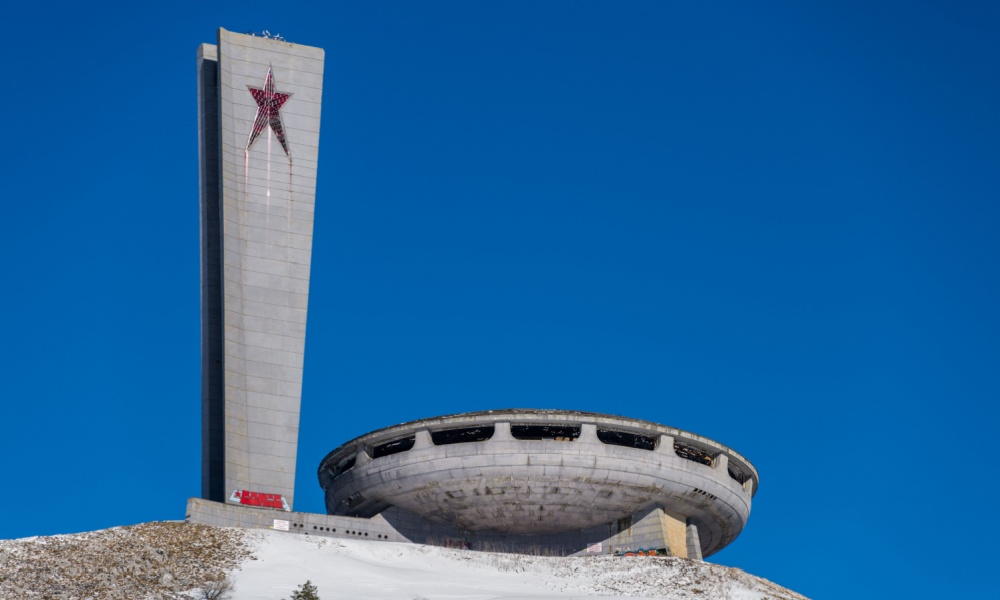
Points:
(776, 226)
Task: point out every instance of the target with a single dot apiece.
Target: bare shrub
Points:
(217, 588)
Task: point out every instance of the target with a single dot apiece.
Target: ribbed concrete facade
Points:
(545, 479)
(259, 118)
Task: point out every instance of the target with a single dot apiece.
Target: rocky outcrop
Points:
(149, 561)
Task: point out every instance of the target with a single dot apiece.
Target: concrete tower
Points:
(259, 103)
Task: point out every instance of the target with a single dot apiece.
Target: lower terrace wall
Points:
(652, 528)
(218, 514)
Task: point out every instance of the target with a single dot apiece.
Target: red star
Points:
(269, 102)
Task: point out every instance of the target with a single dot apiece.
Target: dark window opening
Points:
(737, 474)
(344, 467)
(462, 435)
(559, 433)
(693, 453)
(393, 447)
(630, 440)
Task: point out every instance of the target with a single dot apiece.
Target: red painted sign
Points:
(259, 499)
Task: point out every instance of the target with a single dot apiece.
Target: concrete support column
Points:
(666, 445)
(693, 541)
(676, 536)
(422, 439)
(361, 458)
(588, 433)
(721, 464)
(501, 432)
(748, 485)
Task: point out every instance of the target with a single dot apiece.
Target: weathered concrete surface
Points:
(642, 530)
(530, 487)
(257, 220)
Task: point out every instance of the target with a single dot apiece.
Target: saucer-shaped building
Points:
(545, 481)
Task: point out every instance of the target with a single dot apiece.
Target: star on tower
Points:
(269, 104)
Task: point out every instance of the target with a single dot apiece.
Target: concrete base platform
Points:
(651, 529)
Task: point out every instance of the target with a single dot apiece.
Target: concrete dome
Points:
(526, 471)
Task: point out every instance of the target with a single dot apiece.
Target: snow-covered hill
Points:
(169, 560)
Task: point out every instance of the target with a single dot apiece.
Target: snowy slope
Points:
(169, 561)
(395, 571)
